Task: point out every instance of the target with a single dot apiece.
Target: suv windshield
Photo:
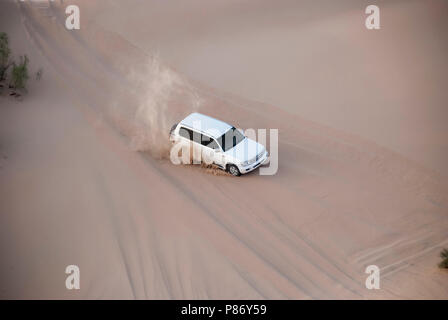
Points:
(230, 139)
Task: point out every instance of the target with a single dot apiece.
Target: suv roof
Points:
(206, 124)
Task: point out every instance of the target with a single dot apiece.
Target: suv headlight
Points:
(245, 163)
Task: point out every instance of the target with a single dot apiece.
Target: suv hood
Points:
(245, 150)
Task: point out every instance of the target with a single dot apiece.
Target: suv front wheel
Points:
(233, 170)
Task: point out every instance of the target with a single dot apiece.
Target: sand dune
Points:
(85, 180)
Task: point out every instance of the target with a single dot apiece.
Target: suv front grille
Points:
(256, 158)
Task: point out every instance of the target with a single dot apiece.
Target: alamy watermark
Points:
(373, 280)
(73, 279)
(373, 18)
(72, 22)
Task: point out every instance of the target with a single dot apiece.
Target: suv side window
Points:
(205, 140)
(209, 142)
(214, 145)
(186, 133)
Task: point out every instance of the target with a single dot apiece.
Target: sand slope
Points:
(86, 181)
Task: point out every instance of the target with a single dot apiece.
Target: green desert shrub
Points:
(4, 55)
(19, 74)
(444, 256)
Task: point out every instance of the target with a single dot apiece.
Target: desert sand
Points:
(85, 177)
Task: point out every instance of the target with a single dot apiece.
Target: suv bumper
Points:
(253, 166)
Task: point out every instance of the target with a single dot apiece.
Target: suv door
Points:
(186, 136)
(212, 148)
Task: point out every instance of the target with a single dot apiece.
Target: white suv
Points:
(227, 146)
